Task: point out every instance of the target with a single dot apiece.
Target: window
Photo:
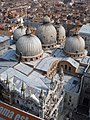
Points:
(69, 97)
(32, 108)
(25, 59)
(85, 38)
(68, 103)
(69, 68)
(18, 101)
(31, 59)
(65, 67)
(76, 51)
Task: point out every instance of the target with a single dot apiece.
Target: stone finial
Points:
(23, 88)
(13, 86)
(41, 94)
(41, 108)
(41, 98)
(7, 81)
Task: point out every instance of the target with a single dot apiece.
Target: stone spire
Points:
(13, 86)
(41, 101)
(23, 88)
(7, 81)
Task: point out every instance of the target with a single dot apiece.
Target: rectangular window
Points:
(65, 67)
(69, 68)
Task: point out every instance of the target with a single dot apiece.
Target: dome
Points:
(61, 32)
(75, 46)
(47, 34)
(30, 47)
(20, 31)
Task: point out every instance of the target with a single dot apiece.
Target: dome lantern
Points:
(46, 19)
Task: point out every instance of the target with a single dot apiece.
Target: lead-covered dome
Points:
(75, 46)
(47, 33)
(20, 31)
(61, 34)
(29, 46)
